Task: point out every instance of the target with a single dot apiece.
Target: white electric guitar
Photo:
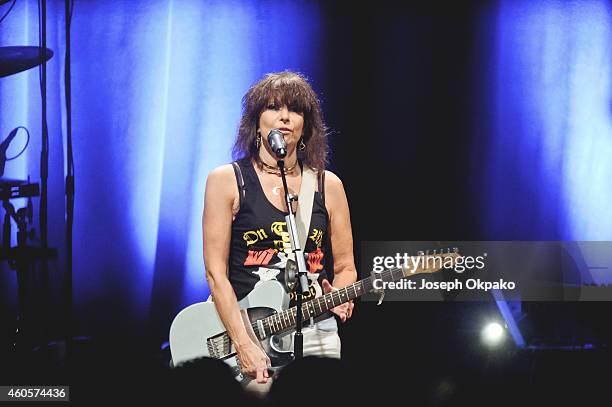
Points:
(197, 331)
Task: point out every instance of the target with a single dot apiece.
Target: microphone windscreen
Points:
(277, 143)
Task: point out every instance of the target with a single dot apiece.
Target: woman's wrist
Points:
(242, 343)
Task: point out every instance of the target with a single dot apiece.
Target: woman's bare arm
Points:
(341, 236)
(220, 205)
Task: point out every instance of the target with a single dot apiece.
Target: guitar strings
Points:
(280, 317)
(292, 312)
(366, 282)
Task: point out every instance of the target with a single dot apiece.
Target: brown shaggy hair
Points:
(293, 90)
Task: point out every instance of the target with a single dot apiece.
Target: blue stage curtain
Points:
(157, 87)
(549, 160)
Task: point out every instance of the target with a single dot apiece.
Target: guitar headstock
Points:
(431, 261)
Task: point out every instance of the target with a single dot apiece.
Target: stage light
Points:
(493, 334)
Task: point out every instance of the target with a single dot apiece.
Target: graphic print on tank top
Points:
(271, 262)
(260, 246)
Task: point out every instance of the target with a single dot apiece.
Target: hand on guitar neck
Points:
(344, 311)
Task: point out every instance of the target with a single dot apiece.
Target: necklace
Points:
(275, 170)
(276, 190)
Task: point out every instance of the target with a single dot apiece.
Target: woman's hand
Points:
(254, 361)
(344, 311)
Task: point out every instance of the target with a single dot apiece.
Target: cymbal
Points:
(17, 59)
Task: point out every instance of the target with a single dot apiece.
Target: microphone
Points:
(276, 140)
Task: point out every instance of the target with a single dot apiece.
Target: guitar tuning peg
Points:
(427, 252)
(421, 253)
(455, 250)
(434, 252)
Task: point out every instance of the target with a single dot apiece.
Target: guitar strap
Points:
(304, 210)
(305, 200)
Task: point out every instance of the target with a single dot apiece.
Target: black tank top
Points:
(260, 241)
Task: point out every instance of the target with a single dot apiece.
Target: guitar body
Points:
(197, 331)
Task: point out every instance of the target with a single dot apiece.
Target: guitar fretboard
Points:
(311, 309)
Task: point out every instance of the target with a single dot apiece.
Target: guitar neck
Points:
(287, 319)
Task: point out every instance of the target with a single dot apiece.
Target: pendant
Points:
(276, 191)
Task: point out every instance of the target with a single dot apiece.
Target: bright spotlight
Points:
(493, 334)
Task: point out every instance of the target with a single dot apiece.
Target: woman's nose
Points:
(284, 113)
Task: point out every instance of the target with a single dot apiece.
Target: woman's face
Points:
(289, 122)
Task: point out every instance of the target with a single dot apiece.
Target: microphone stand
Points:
(298, 341)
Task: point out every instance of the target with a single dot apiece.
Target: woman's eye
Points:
(272, 106)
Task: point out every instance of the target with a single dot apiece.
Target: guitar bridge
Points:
(219, 346)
